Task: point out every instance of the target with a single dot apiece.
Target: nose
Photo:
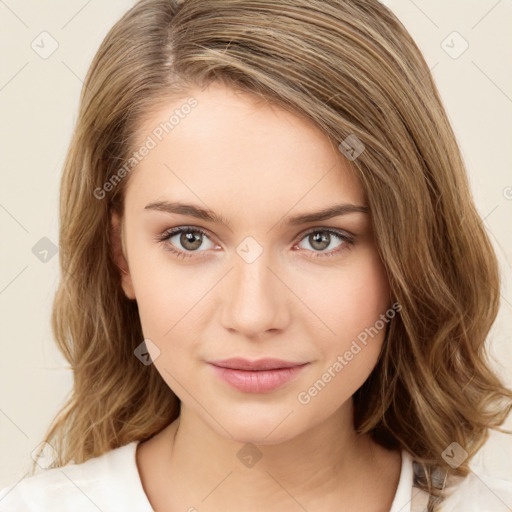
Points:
(255, 298)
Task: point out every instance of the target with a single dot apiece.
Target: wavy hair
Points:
(352, 69)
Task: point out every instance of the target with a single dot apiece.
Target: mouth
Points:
(238, 363)
(262, 376)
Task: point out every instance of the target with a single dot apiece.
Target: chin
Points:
(259, 426)
(258, 437)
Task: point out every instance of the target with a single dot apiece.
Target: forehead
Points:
(235, 151)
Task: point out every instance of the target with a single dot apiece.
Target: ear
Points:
(118, 253)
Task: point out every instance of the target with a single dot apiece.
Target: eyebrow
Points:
(296, 220)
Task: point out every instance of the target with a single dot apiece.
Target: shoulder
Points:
(108, 482)
(479, 492)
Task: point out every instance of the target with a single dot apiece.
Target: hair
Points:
(352, 69)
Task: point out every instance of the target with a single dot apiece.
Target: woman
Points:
(275, 286)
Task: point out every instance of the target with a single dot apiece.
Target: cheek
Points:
(352, 305)
(168, 304)
(364, 298)
(167, 293)
(349, 299)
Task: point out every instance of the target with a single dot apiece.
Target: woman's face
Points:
(251, 279)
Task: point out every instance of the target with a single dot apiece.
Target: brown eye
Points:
(319, 240)
(325, 242)
(191, 240)
(184, 240)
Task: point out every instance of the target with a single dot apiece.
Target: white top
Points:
(111, 483)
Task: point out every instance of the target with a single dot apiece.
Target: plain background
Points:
(39, 102)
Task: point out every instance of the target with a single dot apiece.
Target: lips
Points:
(262, 376)
(238, 363)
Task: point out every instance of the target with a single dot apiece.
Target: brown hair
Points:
(352, 69)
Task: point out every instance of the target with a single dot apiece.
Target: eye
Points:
(321, 239)
(187, 240)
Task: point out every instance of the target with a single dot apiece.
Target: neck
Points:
(200, 467)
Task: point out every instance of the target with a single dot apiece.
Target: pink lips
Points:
(262, 376)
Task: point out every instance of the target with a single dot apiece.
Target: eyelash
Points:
(164, 237)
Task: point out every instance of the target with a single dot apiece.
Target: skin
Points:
(255, 164)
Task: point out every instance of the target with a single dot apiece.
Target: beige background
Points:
(39, 101)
